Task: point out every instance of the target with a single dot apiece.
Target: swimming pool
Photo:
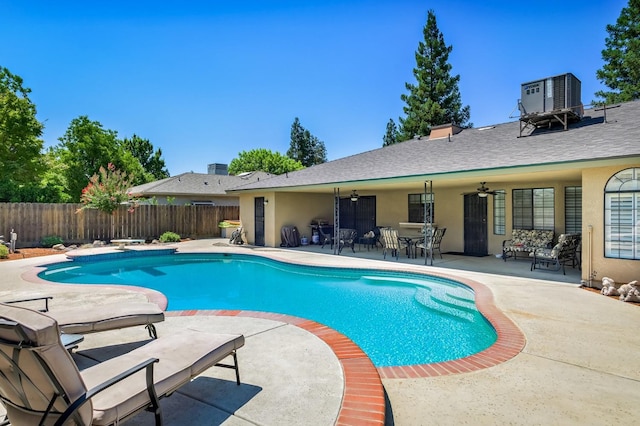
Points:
(396, 318)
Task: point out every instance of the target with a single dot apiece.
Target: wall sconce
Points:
(266, 201)
(354, 196)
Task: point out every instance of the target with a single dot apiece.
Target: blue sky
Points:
(205, 80)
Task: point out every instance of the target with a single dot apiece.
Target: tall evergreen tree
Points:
(435, 98)
(304, 147)
(621, 71)
(391, 135)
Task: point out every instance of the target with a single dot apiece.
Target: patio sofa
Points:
(563, 253)
(526, 241)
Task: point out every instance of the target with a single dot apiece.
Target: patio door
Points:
(259, 221)
(475, 225)
(359, 215)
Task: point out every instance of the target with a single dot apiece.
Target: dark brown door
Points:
(359, 215)
(259, 221)
(475, 225)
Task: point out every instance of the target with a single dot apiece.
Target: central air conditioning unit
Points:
(551, 94)
(218, 169)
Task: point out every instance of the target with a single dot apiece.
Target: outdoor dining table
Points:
(411, 241)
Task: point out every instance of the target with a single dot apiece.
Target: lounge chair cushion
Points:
(83, 319)
(43, 332)
(181, 356)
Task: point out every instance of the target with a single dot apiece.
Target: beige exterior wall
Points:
(285, 208)
(593, 260)
(391, 208)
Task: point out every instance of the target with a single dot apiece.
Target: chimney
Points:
(444, 130)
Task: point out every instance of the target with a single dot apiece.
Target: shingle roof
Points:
(197, 184)
(490, 147)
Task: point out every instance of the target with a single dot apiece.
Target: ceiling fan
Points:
(483, 191)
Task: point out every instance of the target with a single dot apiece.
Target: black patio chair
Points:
(326, 235)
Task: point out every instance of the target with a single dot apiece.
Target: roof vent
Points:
(444, 130)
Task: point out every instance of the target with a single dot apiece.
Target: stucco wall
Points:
(594, 261)
(285, 208)
(300, 208)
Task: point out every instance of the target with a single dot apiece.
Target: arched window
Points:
(622, 215)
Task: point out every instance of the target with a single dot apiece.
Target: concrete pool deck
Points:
(578, 364)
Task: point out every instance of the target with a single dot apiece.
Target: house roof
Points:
(485, 148)
(197, 184)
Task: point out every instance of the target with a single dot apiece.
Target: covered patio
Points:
(485, 264)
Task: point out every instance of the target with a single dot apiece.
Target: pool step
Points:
(447, 299)
(444, 303)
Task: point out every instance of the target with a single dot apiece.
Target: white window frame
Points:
(622, 215)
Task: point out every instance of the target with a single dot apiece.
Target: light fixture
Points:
(266, 201)
(354, 196)
(483, 191)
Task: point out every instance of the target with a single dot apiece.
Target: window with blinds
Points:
(622, 215)
(533, 208)
(499, 213)
(573, 209)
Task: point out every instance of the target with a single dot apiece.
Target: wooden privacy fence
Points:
(34, 221)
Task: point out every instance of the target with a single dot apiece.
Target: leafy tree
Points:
(621, 71)
(53, 186)
(20, 131)
(263, 160)
(391, 135)
(86, 146)
(304, 147)
(151, 161)
(435, 99)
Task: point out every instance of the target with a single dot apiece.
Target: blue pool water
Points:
(396, 318)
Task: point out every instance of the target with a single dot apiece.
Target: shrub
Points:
(4, 251)
(169, 237)
(51, 241)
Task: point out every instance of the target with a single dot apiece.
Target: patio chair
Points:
(391, 243)
(348, 238)
(96, 318)
(41, 384)
(326, 235)
(432, 242)
(564, 252)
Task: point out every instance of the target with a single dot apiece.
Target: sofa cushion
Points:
(529, 239)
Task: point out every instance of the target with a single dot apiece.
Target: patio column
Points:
(428, 219)
(336, 220)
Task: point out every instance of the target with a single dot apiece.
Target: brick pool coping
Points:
(363, 401)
